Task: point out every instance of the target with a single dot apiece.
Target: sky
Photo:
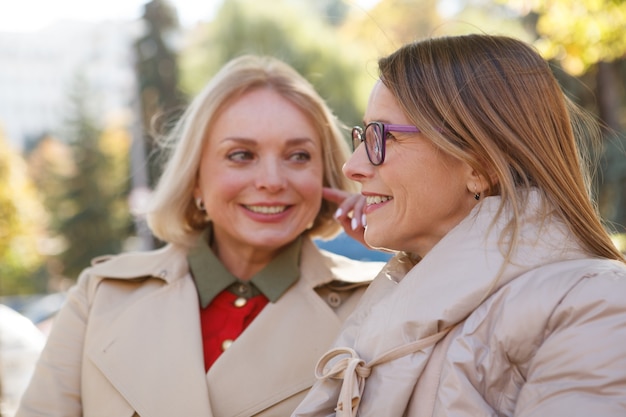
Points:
(32, 15)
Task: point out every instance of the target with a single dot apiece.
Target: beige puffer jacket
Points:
(548, 338)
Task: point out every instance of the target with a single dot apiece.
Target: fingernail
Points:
(363, 220)
(338, 213)
(354, 223)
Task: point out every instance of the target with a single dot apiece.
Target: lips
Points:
(266, 209)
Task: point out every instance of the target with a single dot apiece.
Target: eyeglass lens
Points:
(372, 136)
(374, 143)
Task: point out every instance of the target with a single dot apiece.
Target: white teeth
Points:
(267, 209)
(377, 199)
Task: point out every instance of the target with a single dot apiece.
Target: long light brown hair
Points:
(173, 215)
(493, 102)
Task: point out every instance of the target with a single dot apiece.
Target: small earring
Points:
(476, 194)
(200, 204)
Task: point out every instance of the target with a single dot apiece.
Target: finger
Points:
(358, 211)
(334, 195)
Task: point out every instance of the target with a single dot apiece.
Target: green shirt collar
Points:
(211, 277)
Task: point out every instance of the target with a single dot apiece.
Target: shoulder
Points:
(579, 282)
(565, 300)
(119, 278)
(559, 282)
(598, 293)
(556, 298)
(167, 263)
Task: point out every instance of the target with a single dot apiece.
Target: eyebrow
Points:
(252, 142)
(383, 121)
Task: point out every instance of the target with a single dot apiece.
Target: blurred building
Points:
(39, 69)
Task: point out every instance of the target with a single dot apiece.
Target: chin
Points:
(273, 240)
(374, 239)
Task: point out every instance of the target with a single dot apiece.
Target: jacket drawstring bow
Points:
(353, 370)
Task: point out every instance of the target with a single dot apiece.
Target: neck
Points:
(243, 263)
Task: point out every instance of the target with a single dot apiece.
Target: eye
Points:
(300, 156)
(240, 156)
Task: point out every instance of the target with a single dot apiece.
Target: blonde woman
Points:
(229, 318)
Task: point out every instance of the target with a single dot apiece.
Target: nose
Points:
(270, 176)
(358, 166)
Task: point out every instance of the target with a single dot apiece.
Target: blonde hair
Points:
(493, 102)
(173, 216)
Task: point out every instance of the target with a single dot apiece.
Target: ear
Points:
(477, 183)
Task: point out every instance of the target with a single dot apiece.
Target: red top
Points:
(224, 319)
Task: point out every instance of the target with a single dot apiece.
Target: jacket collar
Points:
(447, 285)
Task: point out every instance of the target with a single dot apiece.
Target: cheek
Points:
(220, 185)
(309, 185)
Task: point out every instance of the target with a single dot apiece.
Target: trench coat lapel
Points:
(275, 357)
(151, 359)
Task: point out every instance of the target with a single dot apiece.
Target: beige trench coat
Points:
(128, 342)
(546, 339)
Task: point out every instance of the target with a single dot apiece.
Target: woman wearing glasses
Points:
(231, 316)
(507, 296)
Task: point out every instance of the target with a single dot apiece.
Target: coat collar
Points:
(271, 361)
(153, 344)
(275, 357)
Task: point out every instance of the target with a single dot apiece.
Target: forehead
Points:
(383, 106)
(262, 114)
(264, 95)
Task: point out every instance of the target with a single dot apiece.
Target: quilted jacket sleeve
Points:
(580, 369)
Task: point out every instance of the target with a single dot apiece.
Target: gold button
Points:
(226, 344)
(240, 302)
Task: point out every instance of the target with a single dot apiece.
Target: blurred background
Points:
(86, 88)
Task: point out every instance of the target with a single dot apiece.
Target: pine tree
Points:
(88, 216)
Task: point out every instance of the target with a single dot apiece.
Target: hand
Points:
(350, 213)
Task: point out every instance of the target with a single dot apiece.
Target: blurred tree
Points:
(482, 16)
(579, 34)
(22, 225)
(157, 74)
(50, 162)
(378, 31)
(586, 39)
(333, 12)
(292, 31)
(392, 23)
(92, 213)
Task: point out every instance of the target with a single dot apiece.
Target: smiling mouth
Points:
(266, 209)
(377, 199)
